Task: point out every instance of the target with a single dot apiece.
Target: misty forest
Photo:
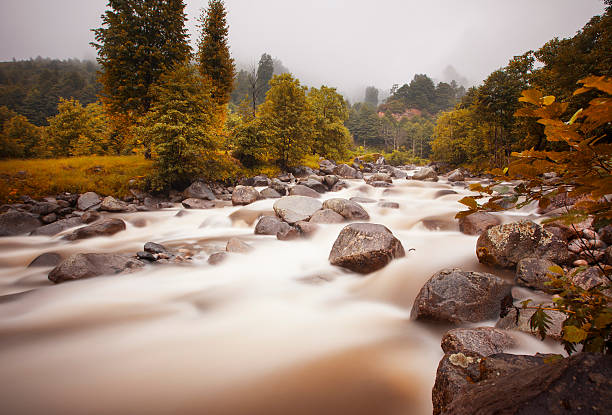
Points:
(183, 233)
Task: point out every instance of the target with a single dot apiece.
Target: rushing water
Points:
(275, 331)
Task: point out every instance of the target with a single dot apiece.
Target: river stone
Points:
(270, 193)
(389, 205)
(110, 204)
(281, 187)
(533, 273)
(455, 296)
(261, 180)
(379, 177)
(315, 185)
(306, 229)
(358, 199)
(444, 192)
(199, 190)
(348, 209)
(238, 246)
(346, 172)
(326, 166)
(90, 216)
(80, 266)
(15, 223)
(456, 176)
(330, 180)
(518, 319)
(301, 190)
(288, 234)
(426, 174)
(193, 203)
(155, 248)
(483, 340)
(293, 209)
(365, 248)
(270, 225)
(326, 216)
(505, 245)
(44, 208)
(580, 384)
(48, 259)
(147, 256)
(250, 214)
(57, 227)
(245, 195)
(88, 200)
(106, 227)
(217, 258)
(478, 222)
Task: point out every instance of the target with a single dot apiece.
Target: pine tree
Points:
(139, 41)
(213, 58)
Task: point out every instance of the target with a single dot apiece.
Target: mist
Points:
(340, 43)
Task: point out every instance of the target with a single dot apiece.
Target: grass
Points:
(105, 175)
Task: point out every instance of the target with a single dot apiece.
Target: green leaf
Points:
(574, 334)
(540, 322)
(525, 303)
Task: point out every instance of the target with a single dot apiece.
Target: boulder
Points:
(346, 208)
(326, 216)
(389, 205)
(193, 203)
(326, 166)
(217, 258)
(477, 223)
(279, 186)
(588, 278)
(301, 190)
(88, 200)
(147, 256)
(445, 192)
(365, 248)
(518, 319)
(330, 180)
(316, 185)
(270, 193)
(16, 223)
(50, 218)
(482, 340)
(238, 246)
(455, 296)
(110, 204)
(580, 384)
(245, 195)
(533, 273)
(605, 234)
(293, 209)
(306, 228)
(155, 248)
(346, 172)
(90, 217)
(106, 227)
(504, 246)
(48, 259)
(80, 266)
(57, 227)
(270, 225)
(397, 173)
(285, 177)
(456, 176)
(288, 234)
(427, 174)
(378, 177)
(44, 208)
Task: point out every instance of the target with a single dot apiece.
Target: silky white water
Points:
(275, 331)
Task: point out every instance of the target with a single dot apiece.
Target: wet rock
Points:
(146, 256)
(48, 259)
(315, 185)
(270, 193)
(288, 234)
(339, 186)
(397, 173)
(605, 234)
(561, 231)
(389, 205)
(44, 208)
(533, 273)
(301, 190)
(106, 227)
(483, 340)
(217, 258)
(16, 223)
(326, 216)
(358, 199)
(378, 177)
(346, 172)
(580, 384)
(478, 222)
(245, 195)
(505, 245)
(57, 227)
(365, 248)
(588, 278)
(90, 217)
(426, 174)
(80, 266)
(326, 166)
(249, 214)
(456, 176)
(270, 225)
(608, 255)
(88, 201)
(199, 190)
(279, 186)
(50, 218)
(330, 180)
(285, 177)
(238, 246)
(306, 229)
(346, 208)
(257, 181)
(197, 204)
(380, 184)
(110, 204)
(518, 319)
(456, 296)
(293, 209)
(154, 248)
(444, 222)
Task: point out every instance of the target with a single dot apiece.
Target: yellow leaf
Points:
(556, 269)
(574, 334)
(548, 100)
(575, 117)
(533, 96)
(469, 202)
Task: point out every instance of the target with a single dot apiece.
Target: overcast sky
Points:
(343, 43)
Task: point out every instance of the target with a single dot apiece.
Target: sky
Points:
(347, 44)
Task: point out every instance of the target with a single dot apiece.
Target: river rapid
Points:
(275, 331)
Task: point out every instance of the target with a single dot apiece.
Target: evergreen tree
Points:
(214, 59)
(371, 96)
(265, 70)
(139, 41)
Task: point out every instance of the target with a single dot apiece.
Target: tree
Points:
(180, 128)
(364, 125)
(138, 41)
(213, 56)
(371, 96)
(286, 120)
(22, 136)
(331, 139)
(265, 70)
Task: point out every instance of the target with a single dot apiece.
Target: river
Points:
(274, 331)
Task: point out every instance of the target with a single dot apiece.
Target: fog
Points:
(348, 44)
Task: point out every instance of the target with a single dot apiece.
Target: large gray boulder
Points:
(193, 203)
(504, 246)
(48, 259)
(270, 193)
(270, 225)
(348, 209)
(245, 195)
(316, 185)
(199, 190)
(88, 200)
(519, 318)
(293, 209)
(301, 190)
(455, 296)
(427, 174)
(483, 340)
(326, 216)
(365, 248)
(57, 227)
(456, 176)
(16, 223)
(534, 273)
(346, 172)
(110, 204)
(80, 266)
(106, 227)
(478, 222)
